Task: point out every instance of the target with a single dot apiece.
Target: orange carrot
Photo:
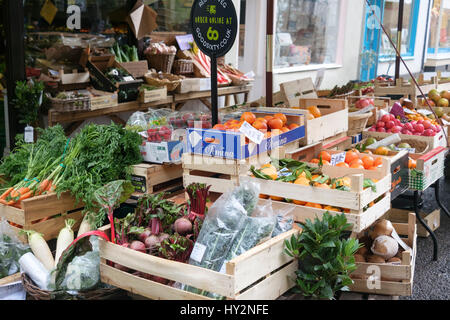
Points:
(43, 186)
(14, 194)
(9, 203)
(6, 193)
(26, 195)
(3, 202)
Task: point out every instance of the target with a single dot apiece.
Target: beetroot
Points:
(151, 242)
(121, 267)
(183, 226)
(145, 234)
(163, 236)
(138, 246)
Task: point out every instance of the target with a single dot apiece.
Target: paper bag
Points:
(142, 20)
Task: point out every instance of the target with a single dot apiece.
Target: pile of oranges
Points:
(269, 125)
(352, 160)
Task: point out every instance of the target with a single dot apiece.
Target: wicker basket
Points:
(357, 123)
(183, 66)
(170, 81)
(38, 294)
(73, 104)
(161, 62)
(420, 146)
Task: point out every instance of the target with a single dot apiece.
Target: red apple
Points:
(372, 129)
(419, 128)
(427, 124)
(390, 124)
(396, 129)
(429, 133)
(386, 118)
(380, 124)
(381, 129)
(408, 126)
(392, 117)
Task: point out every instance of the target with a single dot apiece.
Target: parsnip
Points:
(65, 238)
(40, 249)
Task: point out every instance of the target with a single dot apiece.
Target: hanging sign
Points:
(48, 11)
(214, 26)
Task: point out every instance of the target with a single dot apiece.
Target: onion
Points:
(138, 246)
(182, 226)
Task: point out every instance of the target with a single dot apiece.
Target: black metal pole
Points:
(417, 199)
(399, 37)
(13, 17)
(214, 102)
(269, 53)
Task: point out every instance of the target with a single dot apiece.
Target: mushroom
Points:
(395, 260)
(362, 251)
(385, 247)
(359, 258)
(375, 259)
(383, 227)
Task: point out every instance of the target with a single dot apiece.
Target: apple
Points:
(380, 124)
(429, 133)
(419, 128)
(372, 129)
(362, 103)
(381, 129)
(397, 122)
(390, 124)
(408, 126)
(437, 128)
(427, 124)
(396, 129)
(386, 118)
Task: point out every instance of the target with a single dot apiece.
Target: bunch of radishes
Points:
(388, 123)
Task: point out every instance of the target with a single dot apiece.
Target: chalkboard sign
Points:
(214, 26)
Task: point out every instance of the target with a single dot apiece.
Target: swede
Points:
(182, 226)
(40, 249)
(85, 226)
(65, 238)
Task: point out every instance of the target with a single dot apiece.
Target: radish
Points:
(65, 238)
(138, 246)
(182, 226)
(85, 226)
(40, 249)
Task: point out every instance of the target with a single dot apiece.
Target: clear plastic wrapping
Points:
(11, 249)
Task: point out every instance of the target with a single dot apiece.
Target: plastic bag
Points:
(83, 272)
(11, 249)
(137, 120)
(285, 222)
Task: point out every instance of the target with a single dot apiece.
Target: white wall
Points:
(415, 64)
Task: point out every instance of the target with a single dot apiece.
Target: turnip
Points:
(65, 238)
(40, 249)
(147, 232)
(151, 242)
(138, 246)
(182, 226)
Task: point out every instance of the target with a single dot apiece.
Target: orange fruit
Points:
(248, 116)
(275, 198)
(330, 208)
(282, 117)
(271, 172)
(314, 161)
(300, 203)
(267, 165)
(326, 162)
(313, 205)
(350, 156)
(310, 116)
(378, 162)
(261, 119)
(285, 129)
(322, 185)
(302, 180)
(260, 125)
(268, 118)
(382, 151)
(264, 196)
(219, 127)
(275, 123)
(412, 163)
(325, 155)
(367, 151)
(292, 126)
(343, 164)
(367, 161)
(356, 161)
(356, 165)
(315, 111)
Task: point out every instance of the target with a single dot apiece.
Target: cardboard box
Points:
(162, 152)
(194, 85)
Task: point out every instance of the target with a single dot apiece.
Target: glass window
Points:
(306, 32)
(390, 20)
(439, 40)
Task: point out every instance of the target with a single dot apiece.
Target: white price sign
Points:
(197, 252)
(128, 78)
(253, 134)
(337, 158)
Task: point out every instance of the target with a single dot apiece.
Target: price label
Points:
(411, 150)
(197, 252)
(214, 26)
(29, 134)
(184, 41)
(407, 111)
(424, 112)
(337, 158)
(128, 78)
(251, 133)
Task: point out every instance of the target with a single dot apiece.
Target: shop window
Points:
(439, 39)
(390, 21)
(306, 32)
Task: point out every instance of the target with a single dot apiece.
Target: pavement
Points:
(432, 278)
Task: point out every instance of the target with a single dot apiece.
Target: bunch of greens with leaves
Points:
(11, 249)
(29, 97)
(325, 258)
(48, 148)
(97, 155)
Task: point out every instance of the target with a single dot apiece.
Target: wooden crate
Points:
(150, 178)
(262, 273)
(334, 119)
(146, 96)
(39, 207)
(404, 88)
(433, 142)
(222, 174)
(433, 220)
(73, 81)
(380, 103)
(429, 168)
(296, 89)
(137, 69)
(103, 99)
(10, 279)
(396, 280)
